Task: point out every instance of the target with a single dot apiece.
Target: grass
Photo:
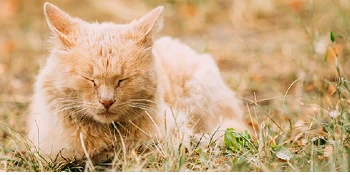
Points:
(280, 56)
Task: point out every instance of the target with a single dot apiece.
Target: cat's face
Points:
(110, 67)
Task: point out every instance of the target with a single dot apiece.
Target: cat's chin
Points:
(105, 117)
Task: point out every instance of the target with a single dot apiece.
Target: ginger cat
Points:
(106, 84)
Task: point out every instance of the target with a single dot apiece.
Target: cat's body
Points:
(107, 84)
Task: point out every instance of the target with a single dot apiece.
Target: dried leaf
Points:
(284, 154)
(331, 89)
(309, 87)
(328, 151)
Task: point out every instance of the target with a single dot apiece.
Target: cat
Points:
(106, 84)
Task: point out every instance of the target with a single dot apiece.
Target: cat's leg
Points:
(176, 126)
(45, 139)
(51, 140)
(222, 108)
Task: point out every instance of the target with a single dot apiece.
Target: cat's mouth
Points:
(105, 113)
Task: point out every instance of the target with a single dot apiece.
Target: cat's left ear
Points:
(150, 24)
(61, 24)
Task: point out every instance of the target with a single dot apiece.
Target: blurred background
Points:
(261, 46)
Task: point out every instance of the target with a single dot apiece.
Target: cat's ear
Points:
(150, 24)
(61, 24)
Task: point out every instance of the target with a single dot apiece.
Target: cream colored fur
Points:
(163, 82)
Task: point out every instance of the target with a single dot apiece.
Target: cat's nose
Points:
(107, 103)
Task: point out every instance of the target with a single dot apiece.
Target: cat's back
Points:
(179, 55)
(181, 61)
(181, 69)
(190, 78)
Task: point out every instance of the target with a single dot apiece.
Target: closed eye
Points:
(121, 80)
(89, 79)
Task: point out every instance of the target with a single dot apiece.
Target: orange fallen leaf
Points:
(328, 151)
(331, 89)
(220, 160)
(309, 87)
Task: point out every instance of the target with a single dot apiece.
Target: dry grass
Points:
(271, 52)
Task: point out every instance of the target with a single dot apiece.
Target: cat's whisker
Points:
(124, 103)
(59, 103)
(63, 99)
(149, 106)
(62, 109)
(64, 103)
(58, 111)
(143, 100)
(134, 116)
(142, 107)
(145, 103)
(65, 109)
(82, 116)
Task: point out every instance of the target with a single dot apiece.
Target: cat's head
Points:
(106, 70)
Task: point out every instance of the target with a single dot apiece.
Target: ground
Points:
(279, 56)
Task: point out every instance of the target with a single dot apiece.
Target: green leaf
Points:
(230, 139)
(332, 37)
(235, 141)
(326, 57)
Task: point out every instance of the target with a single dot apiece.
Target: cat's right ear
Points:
(61, 24)
(149, 25)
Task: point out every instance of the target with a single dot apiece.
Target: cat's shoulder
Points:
(167, 42)
(174, 49)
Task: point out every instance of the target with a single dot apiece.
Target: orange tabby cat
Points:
(107, 83)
